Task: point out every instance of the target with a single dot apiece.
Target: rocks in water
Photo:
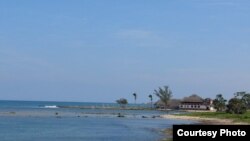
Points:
(155, 116)
(57, 115)
(13, 113)
(120, 115)
(150, 116)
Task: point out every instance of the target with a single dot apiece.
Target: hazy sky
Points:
(102, 50)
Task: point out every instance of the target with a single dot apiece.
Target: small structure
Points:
(195, 102)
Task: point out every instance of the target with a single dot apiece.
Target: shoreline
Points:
(200, 120)
(203, 120)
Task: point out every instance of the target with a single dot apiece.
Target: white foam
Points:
(50, 106)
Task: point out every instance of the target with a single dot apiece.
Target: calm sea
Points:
(51, 121)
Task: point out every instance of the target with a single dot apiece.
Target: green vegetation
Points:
(222, 115)
(164, 94)
(239, 104)
(170, 139)
(236, 106)
(122, 102)
(235, 110)
(245, 97)
(169, 134)
(219, 103)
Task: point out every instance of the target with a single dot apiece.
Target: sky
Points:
(100, 51)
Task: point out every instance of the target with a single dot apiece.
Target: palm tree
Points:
(164, 94)
(151, 100)
(135, 96)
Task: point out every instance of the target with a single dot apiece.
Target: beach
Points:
(197, 120)
(202, 120)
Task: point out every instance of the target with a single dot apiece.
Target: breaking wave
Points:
(50, 106)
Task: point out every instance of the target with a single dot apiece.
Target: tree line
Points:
(236, 105)
(164, 94)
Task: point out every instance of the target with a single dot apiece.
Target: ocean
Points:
(79, 121)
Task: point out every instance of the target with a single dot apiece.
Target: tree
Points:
(151, 100)
(239, 104)
(164, 94)
(236, 106)
(244, 96)
(135, 96)
(122, 102)
(219, 103)
(246, 99)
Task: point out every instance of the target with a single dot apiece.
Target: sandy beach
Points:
(202, 120)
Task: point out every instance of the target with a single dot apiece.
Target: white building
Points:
(194, 102)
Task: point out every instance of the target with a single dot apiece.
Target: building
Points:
(195, 102)
(172, 104)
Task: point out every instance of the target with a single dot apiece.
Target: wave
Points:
(50, 106)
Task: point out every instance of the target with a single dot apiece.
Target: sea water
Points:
(45, 121)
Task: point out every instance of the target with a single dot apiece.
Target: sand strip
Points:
(202, 120)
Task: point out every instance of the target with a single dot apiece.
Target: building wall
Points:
(193, 106)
